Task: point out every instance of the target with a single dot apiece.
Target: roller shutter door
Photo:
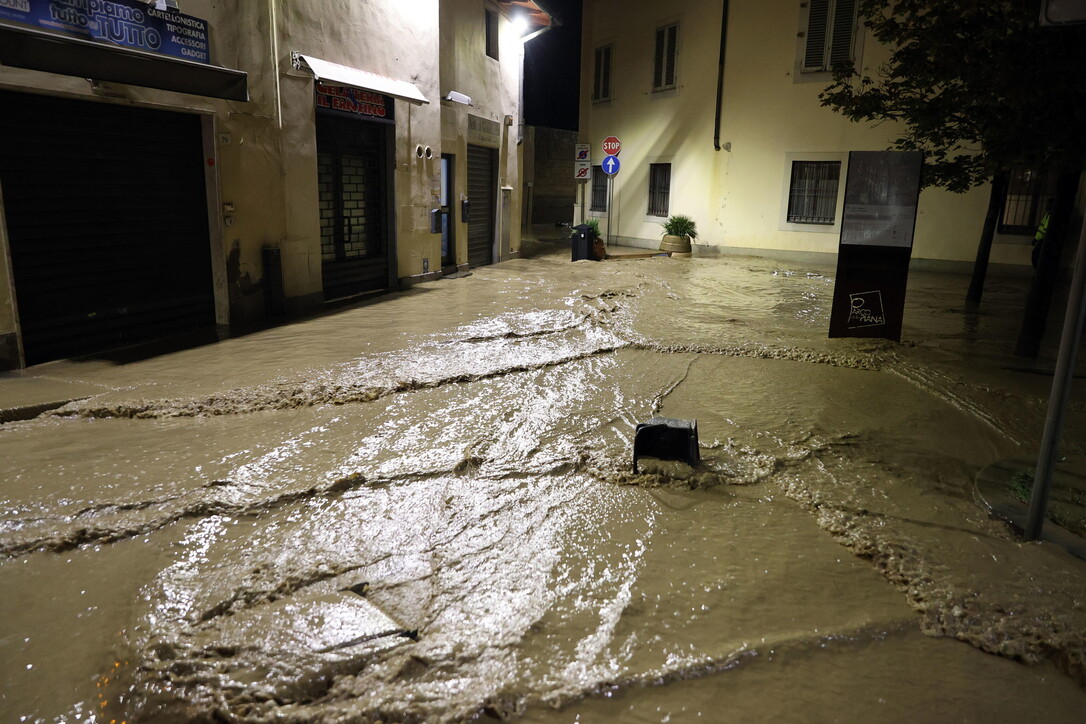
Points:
(482, 180)
(106, 215)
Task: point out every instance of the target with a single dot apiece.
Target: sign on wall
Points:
(484, 132)
(355, 102)
(125, 23)
(881, 195)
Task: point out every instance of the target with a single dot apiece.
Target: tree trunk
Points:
(1048, 268)
(996, 196)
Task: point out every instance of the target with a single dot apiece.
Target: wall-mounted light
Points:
(457, 97)
(520, 24)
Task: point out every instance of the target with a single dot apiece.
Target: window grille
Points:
(663, 66)
(1029, 194)
(599, 189)
(659, 188)
(812, 193)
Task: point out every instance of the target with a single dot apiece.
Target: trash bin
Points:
(581, 246)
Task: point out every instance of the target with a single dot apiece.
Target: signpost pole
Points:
(1059, 13)
(1061, 391)
(612, 146)
(583, 184)
(610, 203)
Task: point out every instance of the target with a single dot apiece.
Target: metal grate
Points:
(599, 189)
(812, 193)
(659, 188)
(1029, 195)
(352, 191)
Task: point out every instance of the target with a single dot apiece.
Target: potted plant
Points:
(679, 231)
(595, 238)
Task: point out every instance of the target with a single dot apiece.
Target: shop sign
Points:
(127, 23)
(354, 102)
(484, 131)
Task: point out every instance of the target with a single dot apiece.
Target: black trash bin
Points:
(581, 245)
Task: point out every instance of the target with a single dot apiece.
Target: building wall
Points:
(770, 115)
(494, 86)
(553, 186)
(261, 154)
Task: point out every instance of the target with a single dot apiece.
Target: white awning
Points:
(345, 75)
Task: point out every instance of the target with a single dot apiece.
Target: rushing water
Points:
(176, 548)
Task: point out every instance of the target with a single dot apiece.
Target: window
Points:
(663, 64)
(1029, 194)
(659, 188)
(601, 77)
(812, 192)
(492, 33)
(829, 37)
(599, 190)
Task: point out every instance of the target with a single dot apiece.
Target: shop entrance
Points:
(106, 214)
(353, 183)
(482, 183)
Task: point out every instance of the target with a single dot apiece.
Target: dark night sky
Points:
(551, 70)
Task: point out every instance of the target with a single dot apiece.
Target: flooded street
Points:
(182, 544)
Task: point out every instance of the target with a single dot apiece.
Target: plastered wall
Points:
(736, 194)
(261, 154)
(494, 88)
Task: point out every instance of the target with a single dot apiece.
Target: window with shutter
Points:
(601, 81)
(663, 65)
(491, 33)
(829, 37)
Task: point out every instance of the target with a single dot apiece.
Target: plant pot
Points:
(675, 244)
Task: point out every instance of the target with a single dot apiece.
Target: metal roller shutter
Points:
(482, 180)
(106, 216)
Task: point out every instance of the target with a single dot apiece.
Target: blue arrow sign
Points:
(610, 165)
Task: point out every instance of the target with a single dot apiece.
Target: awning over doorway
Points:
(345, 75)
(37, 50)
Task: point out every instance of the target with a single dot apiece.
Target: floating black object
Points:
(666, 438)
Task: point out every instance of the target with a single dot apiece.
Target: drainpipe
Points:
(720, 75)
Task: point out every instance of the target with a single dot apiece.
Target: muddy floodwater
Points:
(189, 542)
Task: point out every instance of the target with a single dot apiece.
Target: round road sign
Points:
(610, 165)
(611, 146)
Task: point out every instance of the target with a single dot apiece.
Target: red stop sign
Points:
(611, 145)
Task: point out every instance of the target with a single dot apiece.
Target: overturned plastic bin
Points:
(666, 438)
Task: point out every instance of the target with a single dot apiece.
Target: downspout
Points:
(720, 75)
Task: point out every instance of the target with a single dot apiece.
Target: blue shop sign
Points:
(126, 23)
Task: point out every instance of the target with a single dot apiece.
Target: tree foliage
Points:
(976, 84)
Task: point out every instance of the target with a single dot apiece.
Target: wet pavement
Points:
(180, 536)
